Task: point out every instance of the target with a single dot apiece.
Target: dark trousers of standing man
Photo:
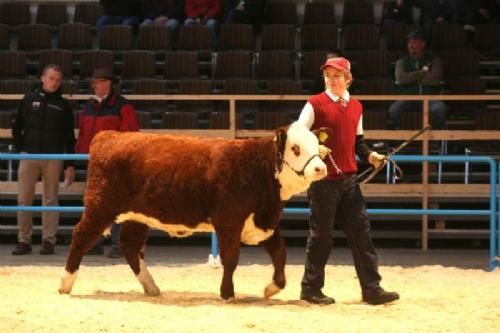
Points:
(338, 201)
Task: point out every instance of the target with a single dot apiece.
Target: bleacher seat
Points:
(446, 36)
(318, 37)
(88, 13)
(146, 87)
(143, 119)
(4, 37)
(281, 12)
(116, 38)
(63, 58)
(278, 37)
(138, 64)
(154, 38)
(195, 87)
(271, 120)
(220, 120)
(91, 59)
(358, 12)
(180, 65)
(239, 87)
(275, 64)
(74, 36)
(236, 37)
(179, 120)
(13, 64)
(34, 37)
(232, 64)
(15, 13)
(358, 37)
(13, 86)
(460, 63)
(319, 12)
(53, 14)
(372, 64)
(284, 87)
(487, 40)
(196, 38)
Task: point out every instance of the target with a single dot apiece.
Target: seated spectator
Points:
(206, 12)
(472, 12)
(166, 13)
(122, 12)
(397, 11)
(418, 73)
(433, 12)
(245, 11)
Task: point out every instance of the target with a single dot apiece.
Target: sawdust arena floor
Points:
(108, 298)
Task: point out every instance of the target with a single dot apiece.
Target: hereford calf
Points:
(183, 185)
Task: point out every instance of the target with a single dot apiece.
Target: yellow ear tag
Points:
(322, 136)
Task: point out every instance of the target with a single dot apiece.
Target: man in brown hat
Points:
(108, 110)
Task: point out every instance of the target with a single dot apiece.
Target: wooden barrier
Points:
(425, 192)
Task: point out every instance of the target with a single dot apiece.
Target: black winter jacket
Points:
(44, 124)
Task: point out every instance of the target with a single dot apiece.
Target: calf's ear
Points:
(322, 134)
(281, 135)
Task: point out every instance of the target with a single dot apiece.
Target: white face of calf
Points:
(301, 162)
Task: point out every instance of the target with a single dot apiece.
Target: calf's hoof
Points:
(67, 283)
(271, 290)
(152, 291)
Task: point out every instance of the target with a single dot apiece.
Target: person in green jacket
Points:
(418, 73)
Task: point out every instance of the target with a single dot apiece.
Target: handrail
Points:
(494, 260)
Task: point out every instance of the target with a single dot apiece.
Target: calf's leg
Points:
(275, 247)
(133, 238)
(229, 244)
(85, 235)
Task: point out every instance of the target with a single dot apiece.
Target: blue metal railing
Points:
(494, 260)
(492, 212)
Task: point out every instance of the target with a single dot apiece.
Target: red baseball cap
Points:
(339, 63)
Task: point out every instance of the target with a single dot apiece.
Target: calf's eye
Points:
(296, 150)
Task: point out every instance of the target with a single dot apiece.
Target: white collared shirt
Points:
(307, 114)
(99, 99)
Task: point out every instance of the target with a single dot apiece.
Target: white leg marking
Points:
(271, 289)
(251, 234)
(146, 280)
(67, 282)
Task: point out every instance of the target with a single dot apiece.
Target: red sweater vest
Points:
(343, 123)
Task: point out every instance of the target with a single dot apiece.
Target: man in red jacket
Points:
(106, 111)
(205, 12)
(337, 198)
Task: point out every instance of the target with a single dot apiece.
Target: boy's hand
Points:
(377, 160)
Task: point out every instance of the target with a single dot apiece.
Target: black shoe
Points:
(379, 296)
(317, 298)
(21, 249)
(47, 248)
(115, 252)
(97, 250)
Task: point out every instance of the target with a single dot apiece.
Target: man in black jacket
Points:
(43, 124)
(245, 11)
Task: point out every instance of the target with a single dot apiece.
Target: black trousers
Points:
(341, 202)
